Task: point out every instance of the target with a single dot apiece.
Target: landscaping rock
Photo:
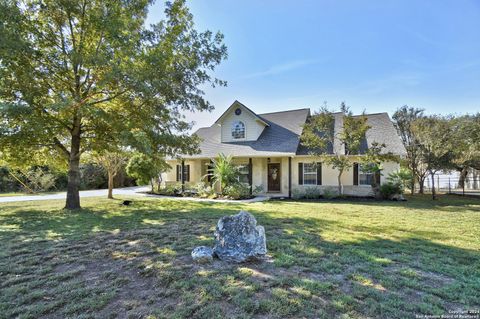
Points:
(202, 254)
(239, 239)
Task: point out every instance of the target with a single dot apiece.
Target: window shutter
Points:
(319, 173)
(300, 173)
(187, 173)
(178, 173)
(355, 173)
(377, 178)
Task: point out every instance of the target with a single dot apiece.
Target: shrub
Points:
(330, 192)
(205, 191)
(40, 180)
(312, 192)
(298, 193)
(402, 177)
(237, 191)
(170, 190)
(93, 176)
(257, 190)
(7, 182)
(224, 171)
(387, 190)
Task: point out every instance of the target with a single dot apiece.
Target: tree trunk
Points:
(110, 185)
(412, 185)
(340, 188)
(73, 184)
(463, 177)
(421, 182)
(433, 185)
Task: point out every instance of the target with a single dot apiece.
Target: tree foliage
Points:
(404, 119)
(146, 168)
(436, 144)
(76, 76)
(320, 138)
(466, 136)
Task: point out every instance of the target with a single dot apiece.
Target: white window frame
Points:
(244, 130)
(243, 174)
(310, 173)
(361, 173)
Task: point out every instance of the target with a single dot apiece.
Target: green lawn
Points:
(327, 259)
(26, 194)
(12, 194)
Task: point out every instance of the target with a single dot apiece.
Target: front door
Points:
(274, 177)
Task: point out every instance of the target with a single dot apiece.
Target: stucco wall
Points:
(253, 128)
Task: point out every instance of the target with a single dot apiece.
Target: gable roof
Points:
(237, 104)
(280, 138)
(381, 131)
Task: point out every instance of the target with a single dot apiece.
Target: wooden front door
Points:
(274, 177)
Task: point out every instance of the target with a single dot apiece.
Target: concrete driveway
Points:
(133, 191)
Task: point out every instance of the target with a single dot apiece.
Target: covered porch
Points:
(272, 174)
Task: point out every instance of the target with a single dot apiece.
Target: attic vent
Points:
(238, 130)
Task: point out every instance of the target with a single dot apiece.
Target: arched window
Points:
(238, 130)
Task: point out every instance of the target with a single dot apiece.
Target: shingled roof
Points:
(282, 136)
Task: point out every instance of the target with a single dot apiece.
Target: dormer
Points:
(240, 124)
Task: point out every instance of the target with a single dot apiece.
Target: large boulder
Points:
(239, 239)
(202, 254)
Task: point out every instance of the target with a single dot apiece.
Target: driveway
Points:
(136, 190)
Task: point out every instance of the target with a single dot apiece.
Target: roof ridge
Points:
(294, 110)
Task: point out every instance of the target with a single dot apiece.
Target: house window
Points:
(186, 172)
(244, 173)
(238, 130)
(364, 178)
(309, 174)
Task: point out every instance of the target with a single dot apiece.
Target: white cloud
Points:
(281, 68)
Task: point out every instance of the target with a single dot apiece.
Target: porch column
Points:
(183, 175)
(250, 170)
(289, 177)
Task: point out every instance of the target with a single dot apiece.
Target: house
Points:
(267, 149)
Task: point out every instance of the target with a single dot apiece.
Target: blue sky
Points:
(374, 55)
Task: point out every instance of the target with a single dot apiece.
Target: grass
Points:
(27, 194)
(326, 259)
(12, 194)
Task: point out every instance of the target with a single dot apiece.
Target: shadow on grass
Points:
(139, 260)
(448, 203)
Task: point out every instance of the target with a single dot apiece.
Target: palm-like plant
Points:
(224, 171)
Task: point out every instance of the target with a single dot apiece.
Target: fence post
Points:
(449, 187)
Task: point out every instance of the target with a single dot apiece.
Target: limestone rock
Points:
(239, 239)
(202, 254)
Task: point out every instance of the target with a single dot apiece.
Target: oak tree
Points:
(76, 75)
